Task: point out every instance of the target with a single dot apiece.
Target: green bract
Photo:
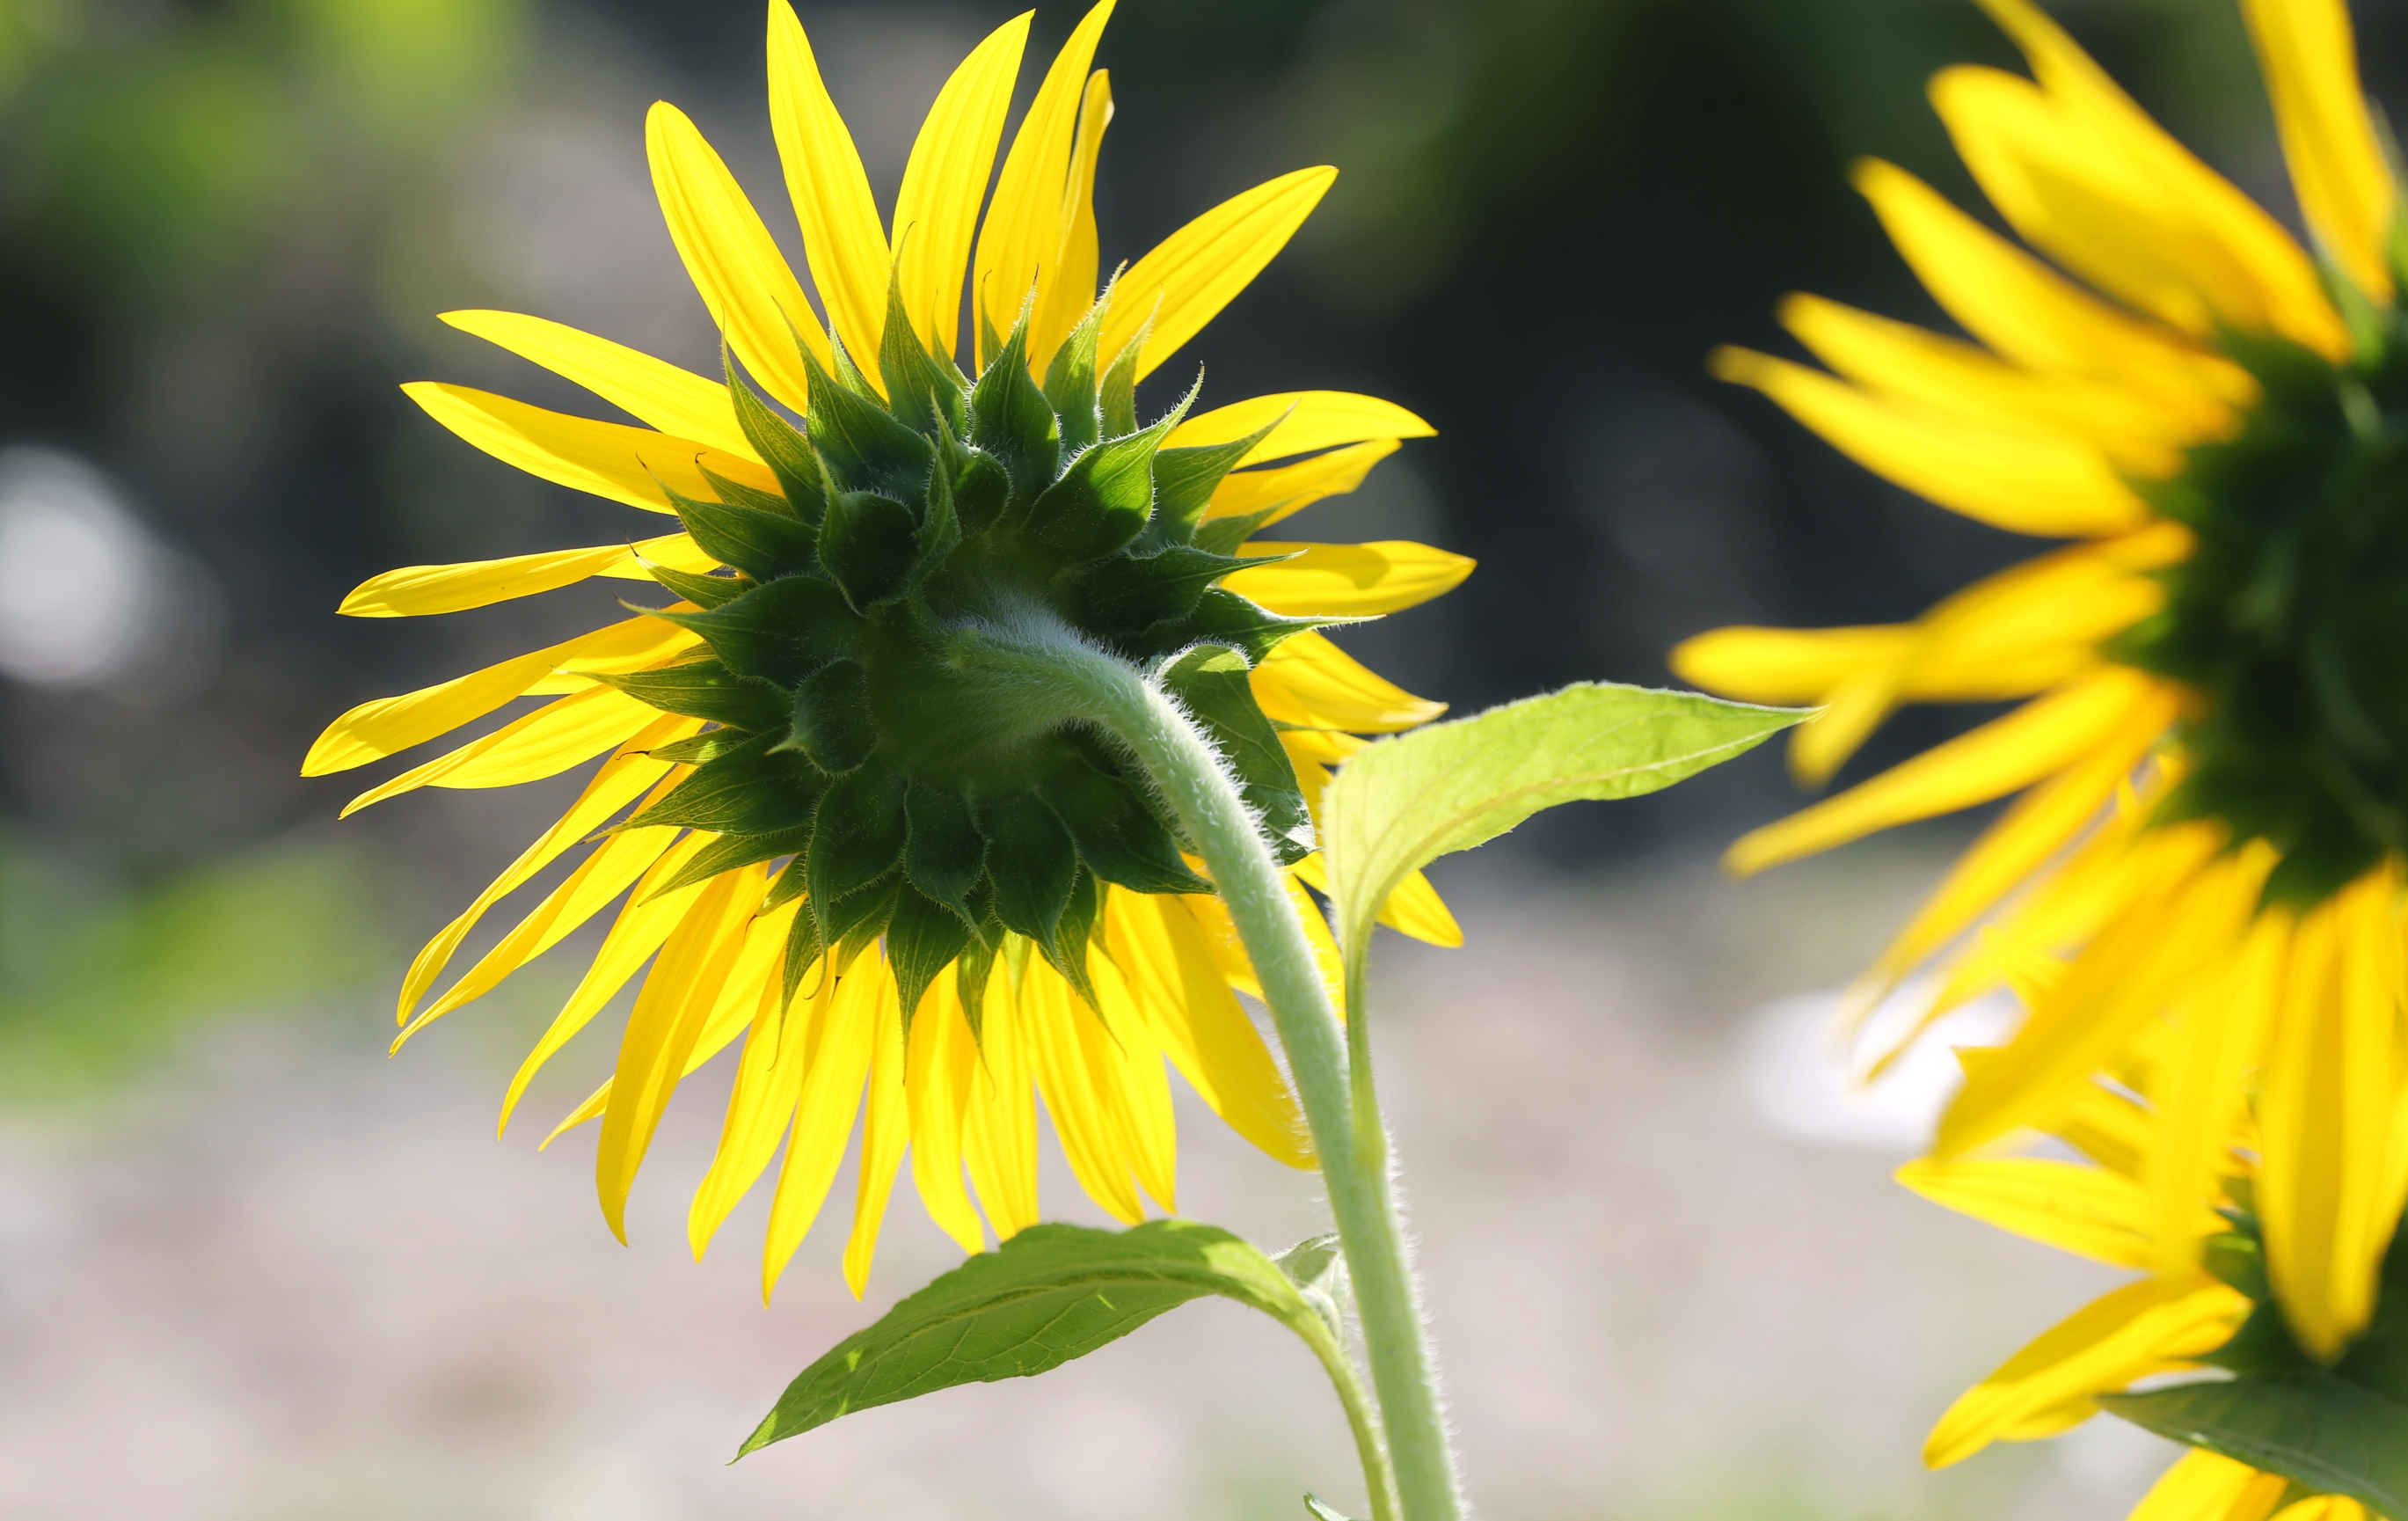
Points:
(2291, 615)
(922, 795)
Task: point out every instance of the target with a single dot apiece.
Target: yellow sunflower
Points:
(2192, 1312)
(2213, 761)
(872, 875)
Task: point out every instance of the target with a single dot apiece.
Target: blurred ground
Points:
(289, 1281)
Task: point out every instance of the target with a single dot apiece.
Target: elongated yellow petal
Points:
(2199, 1095)
(620, 780)
(608, 459)
(944, 183)
(2326, 1185)
(546, 742)
(2310, 62)
(2085, 176)
(675, 401)
(843, 240)
(943, 1062)
(645, 920)
(1308, 420)
(2007, 755)
(2142, 1328)
(1019, 246)
(1785, 665)
(1069, 287)
(2164, 942)
(1192, 274)
(417, 591)
(839, 1062)
(761, 1104)
(1314, 684)
(2083, 1209)
(638, 645)
(662, 1028)
(1077, 1102)
(1945, 374)
(1283, 491)
(1413, 909)
(1124, 1051)
(999, 1128)
(2036, 317)
(1348, 579)
(885, 1129)
(2028, 482)
(731, 258)
(2208, 1487)
(374, 730)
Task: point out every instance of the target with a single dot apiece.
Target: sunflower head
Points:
(2287, 617)
(921, 797)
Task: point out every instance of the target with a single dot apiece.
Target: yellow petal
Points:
(2084, 1210)
(1069, 286)
(1124, 1057)
(1283, 491)
(2310, 62)
(675, 401)
(1784, 666)
(2045, 736)
(943, 1065)
(999, 1124)
(620, 780)
(1347, 581)
(843, 240)
(1413, 909)
(1311, 683)
(374, 730)
(543, 744)
(731, 259)
(2085, 176)
(2033, 317)
(1188, 278)
(1019, 246)
(1308, 420)
(1945, 374)
(832, 1089)
(1049, 1013)
(885, 1129)
(2199, 1094)
(761, 1103)
(418, 591)
(662, 1028)
(2327, 1186)
(944, 183)
(2208, 1487)
(2140, 1329)
(608, 459)
(2028, 482)
(639, 644)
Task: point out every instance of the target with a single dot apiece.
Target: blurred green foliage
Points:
(95, 980)
(157, 148)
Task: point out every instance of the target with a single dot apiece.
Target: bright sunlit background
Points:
(251, 1270)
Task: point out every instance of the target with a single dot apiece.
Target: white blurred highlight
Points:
(1802, 1083)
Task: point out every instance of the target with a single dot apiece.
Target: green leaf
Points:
(2323, 1433)
(1402, 803)
(1317, 1267)
(1053, 1293)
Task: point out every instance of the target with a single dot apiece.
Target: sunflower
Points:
(2213, 758)
(2214, 1312)
(906, 900)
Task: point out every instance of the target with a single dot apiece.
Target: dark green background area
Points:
(225, 227)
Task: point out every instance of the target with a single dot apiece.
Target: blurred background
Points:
(249, 1269)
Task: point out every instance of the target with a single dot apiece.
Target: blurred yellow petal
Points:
(2208, 1487)
(1283, 491)
(1308, 420)
(1784, 666)
(675, 401)
(2310, 61)
(2218, 1042)
(2035, 318)
(2142, 1328)
(1348, 580)
(1020, 244)
(608, 459)
(844, 242)
(732, 260)
(936, 214)
(2087, 1211)
(2028, 482)
(1184, 283)
(2043, 737)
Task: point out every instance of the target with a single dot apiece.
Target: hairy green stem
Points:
(1361, 1418)
(1080, 680)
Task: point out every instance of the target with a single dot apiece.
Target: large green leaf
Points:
(2324, 1433)
(1051, 1293)
(1404, 802)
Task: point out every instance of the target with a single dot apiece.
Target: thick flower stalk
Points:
(853, 839)
(2205, 860)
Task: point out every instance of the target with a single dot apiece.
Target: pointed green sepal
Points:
(730, 852)
(1032, 862)
(763, 545)
(780, 632)
(750, 790)
(782, 446)
(1070, 381)
(705, 592)
(831, 719)
(857, 839)
(704, 689)
(944, 853)
(923, 937)
(862, 444)
(1129, 593)
(1011, 420)
(1210, 683)
(1118, 838)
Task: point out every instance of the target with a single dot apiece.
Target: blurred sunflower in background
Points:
(887, 886)
(2198, 890)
